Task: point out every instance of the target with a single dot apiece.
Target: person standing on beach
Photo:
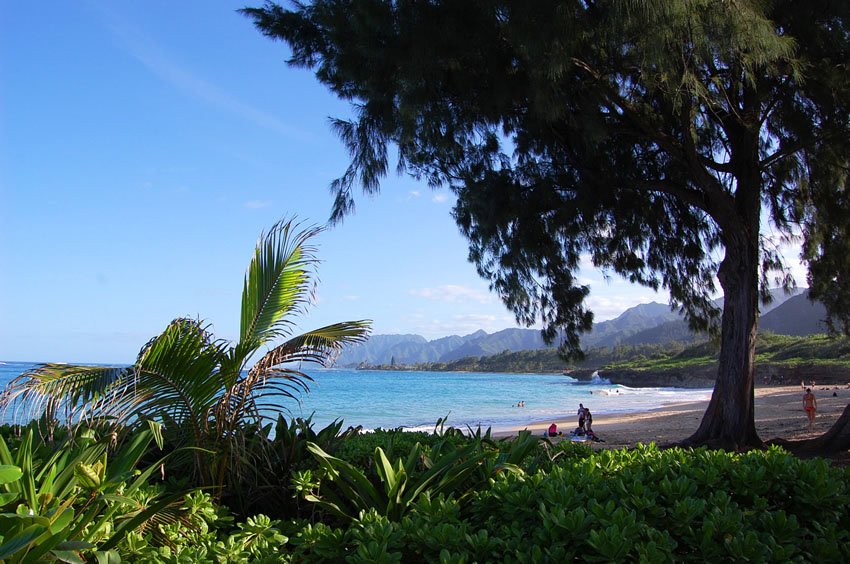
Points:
(810, 405)
(581, 417)
(588, 421)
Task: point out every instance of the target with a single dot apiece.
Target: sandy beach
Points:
(778, 410)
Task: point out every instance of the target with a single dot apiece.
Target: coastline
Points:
(778, 413)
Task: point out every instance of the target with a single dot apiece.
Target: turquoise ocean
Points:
(415, 400)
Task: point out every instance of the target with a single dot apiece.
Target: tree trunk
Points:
(834, 441)
(729, 420)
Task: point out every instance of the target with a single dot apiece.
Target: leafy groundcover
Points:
(402, 497)
(613, 506)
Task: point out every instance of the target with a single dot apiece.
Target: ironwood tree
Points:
(677, 144)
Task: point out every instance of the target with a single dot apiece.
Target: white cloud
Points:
(439, 198)
(799, 271)
(146, 51)
(256, 204)
(791, 251)
(586, 262)
(462, 324)
(350, 298)
(414, 193)
(454, 293)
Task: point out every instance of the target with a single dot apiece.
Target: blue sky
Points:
(143, 148)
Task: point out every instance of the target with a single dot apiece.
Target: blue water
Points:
(417, 399)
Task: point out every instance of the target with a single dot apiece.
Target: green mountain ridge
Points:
(650, 324)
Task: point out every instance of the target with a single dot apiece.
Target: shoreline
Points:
(778, 414)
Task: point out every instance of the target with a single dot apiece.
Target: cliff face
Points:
(701, 377)
(793, 375)
(704, 376)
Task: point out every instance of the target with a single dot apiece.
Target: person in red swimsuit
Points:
(810, 405)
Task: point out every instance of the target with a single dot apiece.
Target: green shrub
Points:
(267, 460)
(615, 506)
(702, 505)
(360, 449)
(58, 501)
(467, 499)
(258, 539)
(345, 490)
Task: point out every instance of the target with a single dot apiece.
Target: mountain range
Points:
(651, 323)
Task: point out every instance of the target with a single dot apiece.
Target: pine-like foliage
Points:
(655, 137)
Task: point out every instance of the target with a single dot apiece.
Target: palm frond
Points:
(232, 363)
(319, 345)
(62, 391)
(256, 396)
(178, 371)
(277, 282)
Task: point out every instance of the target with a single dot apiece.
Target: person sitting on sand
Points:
(810, 405)
(553, 430)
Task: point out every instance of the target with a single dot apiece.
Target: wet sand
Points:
(778, 411)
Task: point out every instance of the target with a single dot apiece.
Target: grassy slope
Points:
(784, 350)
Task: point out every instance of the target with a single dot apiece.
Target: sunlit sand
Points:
(779, 414)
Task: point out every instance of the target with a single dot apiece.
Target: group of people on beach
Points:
(585, 421)
(585, 425)
(585, 418)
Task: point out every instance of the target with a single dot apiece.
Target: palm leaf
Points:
(277, 282)
(256, 395)
(193, 384)
(62, 390)
(270, 378)
(320, 345)
(178, 374)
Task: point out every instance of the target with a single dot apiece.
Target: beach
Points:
(621, 416)
(778, 412)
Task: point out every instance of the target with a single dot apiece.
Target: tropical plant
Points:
(446, 466)
(400, 484)
(204, 390)
(57, 505)
(292, 438)
(359, 450)
(272, 453)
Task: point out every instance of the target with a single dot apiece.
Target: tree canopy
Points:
(656, 137)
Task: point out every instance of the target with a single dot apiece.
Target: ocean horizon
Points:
(415, 400)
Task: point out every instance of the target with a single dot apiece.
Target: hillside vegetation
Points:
(784, 350)
(645, 325)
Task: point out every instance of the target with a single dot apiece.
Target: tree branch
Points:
(713, 199)
(691, 197)
(628, 110)
(781, 154)
(714, 165)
